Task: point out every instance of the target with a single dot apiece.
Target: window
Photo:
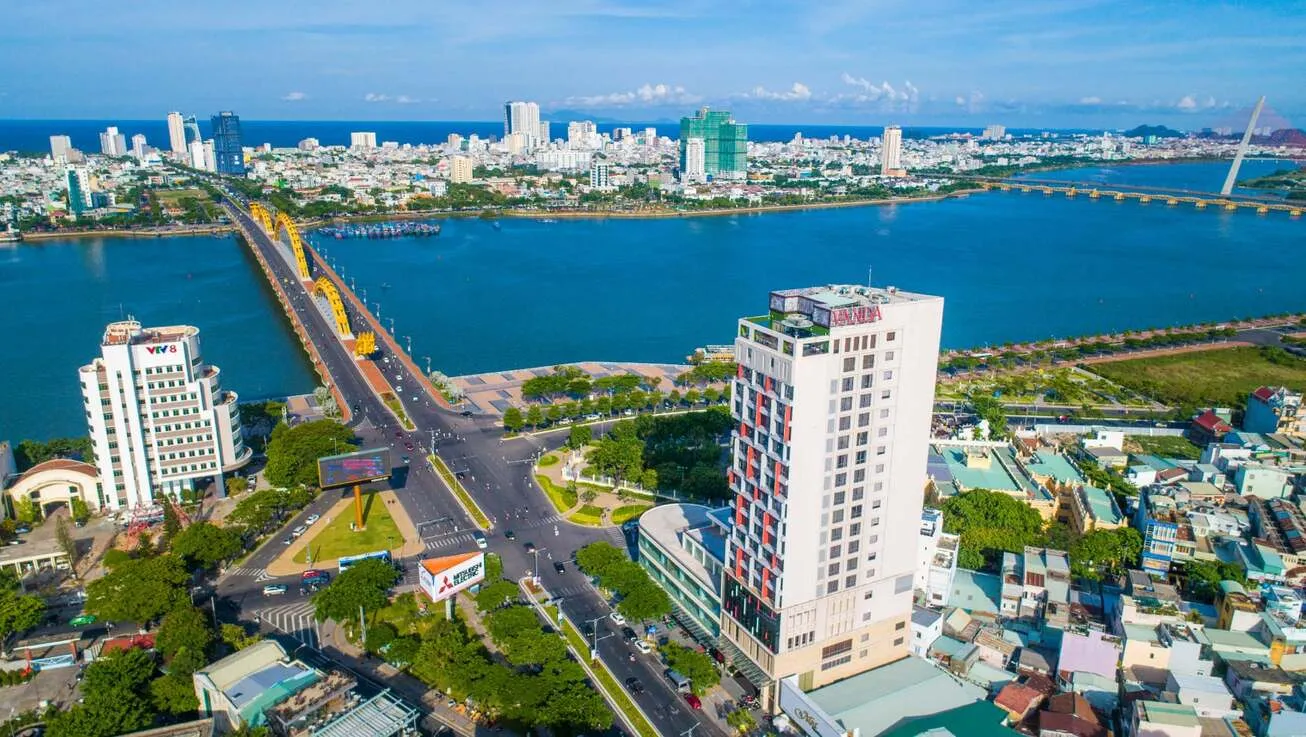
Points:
(868, 595)
(897, 641)
(890, 336)
(845, 404)
(845, 423)
(899, 626)
(832, 587)
(854, 546)
(864, 400)
(838, 648)
(884, 414)
(888, 375)
(835, 550)
(846, 659)
(836, 517)
(866, 381)
(868, 361)
(886, 394)
(851, 564)
(888, 355)
(839, 497)
(832, 569)
(850, 581)
(849, 363)
(843, 442)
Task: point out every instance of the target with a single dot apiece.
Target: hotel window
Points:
(847, 384)
(832, 587)
(865, 400)
(845, 423)
(845, 404)
(890, 336)
(836, 551)
(839, 497)
(888, 356)
(868, 361)
(886, 394)
(832, 569)
(882, 432)
(850, 581)
(897, 641)
(864, 419)
(899, 626)
(843, 442)
(849, 363)
(888, 375)
(854, 546)
(862, 437)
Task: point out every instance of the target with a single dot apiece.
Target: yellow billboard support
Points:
(296, 243)
(324, 286)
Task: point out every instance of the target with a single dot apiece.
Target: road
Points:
(495, 472)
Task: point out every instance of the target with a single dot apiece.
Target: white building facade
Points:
(176, 133)
(891, 151)
(524, 118)
(936, 557)
(159, 419)
(362, 140)
(695, 160)
(833, 399)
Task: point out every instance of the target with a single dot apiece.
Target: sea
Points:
(528, 293)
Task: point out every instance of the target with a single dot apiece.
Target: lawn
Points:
(457, 488)
(336, 539)
(549, 460)
(1204, 378)
(562, 498)
(1166, 446)
(588, 515)
(624, 514)
(397, 407)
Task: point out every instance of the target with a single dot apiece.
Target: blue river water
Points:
(477, 298)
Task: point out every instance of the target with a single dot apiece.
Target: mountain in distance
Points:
(1160, 131)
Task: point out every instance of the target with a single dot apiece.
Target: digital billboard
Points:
(353, 468)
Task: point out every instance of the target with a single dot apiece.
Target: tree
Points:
(140, 590)
(534, 416)
(597, 558)
(646, 600)
(403, 650)
(80, 512)
(694, 665)
(380, 634)
(293, 451)
(174, 694)
(204, 545)
(115, 698)
(26, 511)
(18, 612)
(1104, 553)
(66, 543)
(579, 437)
(496, 594)
(235, 637)
(31, 452)
(513, 421)
(989, 408)
(619, 457)
(171, 522)
(554, 414)
(742, 720)
(237, 485)
(588, 494)
(184, 629)
(364, 585)
(989, 523)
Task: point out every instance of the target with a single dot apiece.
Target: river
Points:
(477, 298)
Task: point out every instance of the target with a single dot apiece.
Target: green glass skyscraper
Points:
(725, 142)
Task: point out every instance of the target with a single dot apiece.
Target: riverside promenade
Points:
(494, 392)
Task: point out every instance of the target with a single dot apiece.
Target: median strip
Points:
(469, 505)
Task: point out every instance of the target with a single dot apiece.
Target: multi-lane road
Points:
(496, 473)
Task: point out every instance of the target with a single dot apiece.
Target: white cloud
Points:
(294, 96)
(375, 97)
(648, 94)
(406, 100)
(1091, 100)
(797, 93)
(1190, 103)
(886, 95)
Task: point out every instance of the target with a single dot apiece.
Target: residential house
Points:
(1088, 665)
(1070, 715)
(1018, 700)
(1150, 602)
(1273, 410)
(1208, 695)
(1286, 640)
(1092, 508)
(1188, 653)
(1263, 480)
(1245, 677)
(1236, 609)
(1282, 602)
(1280, 524)
(1032, 580)
(1208, 427)
(1161, 719)
(993, 649)
(1225, 456)
(936, 560)
(1273, 715)
(1227, 647)
(926, 627)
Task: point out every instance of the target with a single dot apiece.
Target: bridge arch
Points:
(296, 242)
(324, 287)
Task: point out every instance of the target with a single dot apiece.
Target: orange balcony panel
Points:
(767, 383)
(789, 416)
(739, 370)
(739, 563)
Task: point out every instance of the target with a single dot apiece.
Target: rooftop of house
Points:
(665, 524)
(1054, 465)
(1017, 698)
(988, 468)
(1195, 682)
(976, 591)
(877, 700)
(1247, 670)
(1160, 712)
(1102, 504)
(1091, 652)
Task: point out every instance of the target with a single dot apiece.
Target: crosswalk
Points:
(258, 574)
(467, 538)
(295, 620)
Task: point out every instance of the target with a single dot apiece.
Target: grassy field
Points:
(1165, 446)
(397, 407)
(629, 512)
(561, 497)
(588, 515)
(1202, 378)
(551, 459)
(456, 486)
(336, 539)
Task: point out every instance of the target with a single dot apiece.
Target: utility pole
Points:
(432, 441)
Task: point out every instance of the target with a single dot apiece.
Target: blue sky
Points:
(1186, 63)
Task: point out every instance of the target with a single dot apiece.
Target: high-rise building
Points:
(650, 136)
(725, 142)
(833, 401)
(228, 154)
(994, 133)
(113, 143)
(192, 128)
(582, 134)
(197, 155)
(695, 161)
(454, 142)
(59, 148)
(460, 169)
(891, 152)
(362, 140)
(516, 142)
(139, 146)
(176, 133)
(599, 173)
(159, 418)
(210, 155)
(544, 137)
(522, 117)
(308, 144)
(79, 189)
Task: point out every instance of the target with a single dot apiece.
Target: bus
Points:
(349, 560)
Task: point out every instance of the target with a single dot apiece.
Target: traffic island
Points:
(460, 493)
(388, 528)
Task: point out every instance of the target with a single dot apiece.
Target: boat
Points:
(405, 229)
(9, 235)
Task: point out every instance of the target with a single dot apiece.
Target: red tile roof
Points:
(1017, 699)
(1211, 421)
(1264, 393)
(60, 464)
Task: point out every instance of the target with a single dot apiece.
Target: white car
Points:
(480, 540)
(617, 618)
(298, 531)
(310, 519)
(643, 647)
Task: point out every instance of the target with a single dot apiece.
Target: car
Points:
(593, 416)
(530, 548)
(460, 475)
(559, 567)
(406, 460)
(617, 618)
(480, 540)
(82, 620)
(587, 629)
(310, 519)
(409, 446)
(466, 413)
(628, 413)
(693, 701)
(629, 634)
(275, 589)
(300, 530)
(634, 685)
(22, 529)
(509, 535)
(288, 541)
(643, 646)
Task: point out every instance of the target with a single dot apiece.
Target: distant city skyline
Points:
(1031, 63)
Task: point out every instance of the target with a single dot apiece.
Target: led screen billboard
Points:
(354, 468)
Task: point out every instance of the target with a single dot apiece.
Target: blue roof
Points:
(1054, 465)
(974, 591)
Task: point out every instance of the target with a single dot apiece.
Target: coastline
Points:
(46, 235)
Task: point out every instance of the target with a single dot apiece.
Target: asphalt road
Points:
(495, 472)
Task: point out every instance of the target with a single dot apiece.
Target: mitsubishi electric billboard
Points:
(441, 578)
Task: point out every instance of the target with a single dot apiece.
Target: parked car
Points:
(693, 701)
(299, 531)
(480, 540)
(310, 519)
(275, 589)
(643, 646)
(509, 535)
(616, 618)
(629, 634)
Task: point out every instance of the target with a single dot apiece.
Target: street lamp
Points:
(410, 343)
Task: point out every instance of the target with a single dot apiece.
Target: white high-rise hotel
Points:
(833, 400)
(158, 416)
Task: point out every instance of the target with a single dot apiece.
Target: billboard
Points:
(441, 578)
(353, 468)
